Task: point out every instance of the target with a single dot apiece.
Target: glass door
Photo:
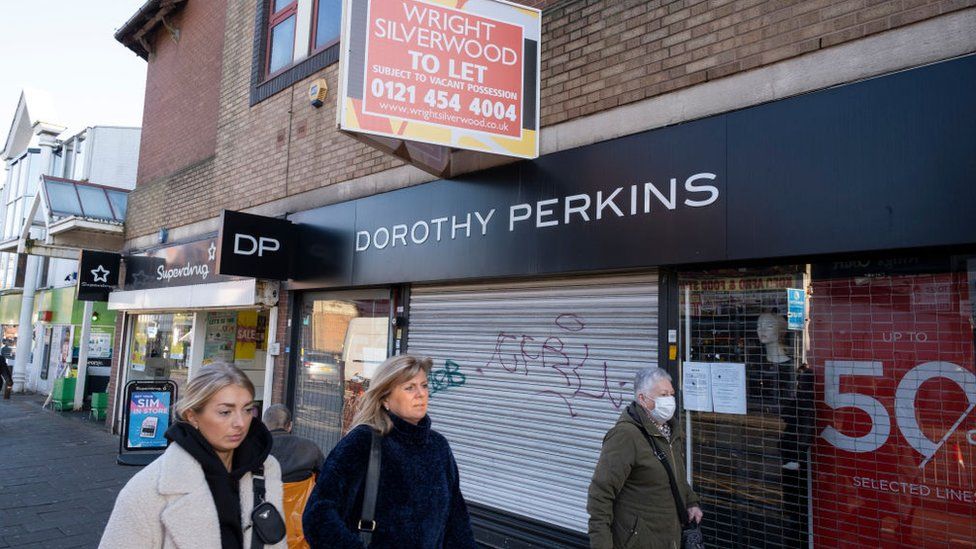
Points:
(343, 337)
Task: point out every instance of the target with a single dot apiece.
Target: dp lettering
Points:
(245, 244)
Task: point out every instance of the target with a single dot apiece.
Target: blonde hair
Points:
(206, 383)
(394, 371)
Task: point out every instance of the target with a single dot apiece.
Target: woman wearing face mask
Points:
(630, 501)
(418, 500)
(200, 493)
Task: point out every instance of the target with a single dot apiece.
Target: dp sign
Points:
(255, 246)
(245, 244)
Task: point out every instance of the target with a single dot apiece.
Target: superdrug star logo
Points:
(100, 274)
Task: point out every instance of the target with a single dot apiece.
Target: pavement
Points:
(58, 476)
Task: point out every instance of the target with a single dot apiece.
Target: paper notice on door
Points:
(728, 387)
(697, 386)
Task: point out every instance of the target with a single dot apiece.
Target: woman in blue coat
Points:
(419, 502)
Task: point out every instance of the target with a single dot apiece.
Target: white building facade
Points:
(36, 146)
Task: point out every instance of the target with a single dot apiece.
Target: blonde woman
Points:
(418, 503)
(200, 492)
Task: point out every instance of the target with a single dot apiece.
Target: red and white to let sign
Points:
(449, 73)
(434, 64)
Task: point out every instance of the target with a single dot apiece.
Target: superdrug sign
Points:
(177, 265)
(98, 275)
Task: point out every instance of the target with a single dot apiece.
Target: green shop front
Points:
(58, 319)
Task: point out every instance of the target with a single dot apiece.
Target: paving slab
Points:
(59, 478)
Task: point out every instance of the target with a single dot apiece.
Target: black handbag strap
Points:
(256, 542)
(367, 524)
(679, 502)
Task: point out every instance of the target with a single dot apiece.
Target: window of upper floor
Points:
(294, 38)
(23, 175)
(69, 159)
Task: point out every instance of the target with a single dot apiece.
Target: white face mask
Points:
(664, 407)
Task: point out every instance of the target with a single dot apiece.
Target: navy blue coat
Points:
(419, 503)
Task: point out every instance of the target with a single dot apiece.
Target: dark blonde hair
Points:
(206, 383)
(394, 371)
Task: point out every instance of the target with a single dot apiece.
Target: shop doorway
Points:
(342, 338)
(749, 408)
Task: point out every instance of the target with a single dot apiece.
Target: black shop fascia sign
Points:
(875, 165)
(606, 206)
(180, 264)
(246, 246)
(98, 275)
(255, 246)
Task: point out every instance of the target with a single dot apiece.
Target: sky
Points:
(67, 48)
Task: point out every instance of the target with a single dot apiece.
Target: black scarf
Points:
(225, 485)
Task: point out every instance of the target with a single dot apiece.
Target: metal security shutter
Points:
(528, 377)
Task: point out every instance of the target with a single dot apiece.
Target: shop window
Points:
(57, 352)
(344, 337)
(845, 421)
(296, 38)
(160, 347)
(893, 345)
(749, 446)
(9, 344)
(239, 338)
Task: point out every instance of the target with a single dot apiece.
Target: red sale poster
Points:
(896, 392)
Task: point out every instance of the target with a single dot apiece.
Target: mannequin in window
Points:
(783, 396)
(770, 329)
(779, 383)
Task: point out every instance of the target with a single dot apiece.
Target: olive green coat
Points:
(630, 501)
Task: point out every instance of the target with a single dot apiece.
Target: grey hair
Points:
(646, 378)
(277, 416)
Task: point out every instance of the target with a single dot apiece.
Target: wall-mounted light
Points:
(94, 316)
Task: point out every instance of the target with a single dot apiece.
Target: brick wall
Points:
(284, 340)
(597, 54)
(182, 86)
(116, 364)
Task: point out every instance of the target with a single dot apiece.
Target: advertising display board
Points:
(147, 414)
(897, 433)
(459, 74)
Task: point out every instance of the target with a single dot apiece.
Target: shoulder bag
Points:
(691, 535)
(367, 524)
(267, 525)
